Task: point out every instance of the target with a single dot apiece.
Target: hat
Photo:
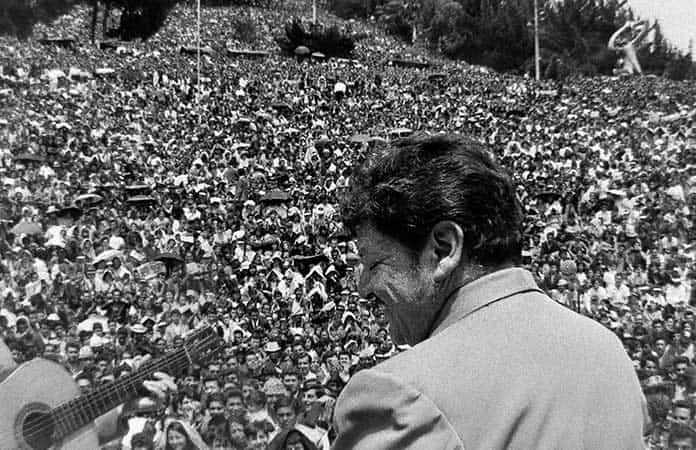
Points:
(274, 386)
(138, 329)
(271, 347)
(311, 384)
(86, 352)
(330, 306)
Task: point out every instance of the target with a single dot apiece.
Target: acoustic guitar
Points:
(40, 405)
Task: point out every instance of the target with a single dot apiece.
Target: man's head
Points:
(303, 363)
(682, 438)
(235, 402)
(680, 365)
(211, 385)
(681, 413)
(291, 381)
(216, 404)
(430, 214)
(286, 412)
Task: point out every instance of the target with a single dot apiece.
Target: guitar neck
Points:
(81, 411)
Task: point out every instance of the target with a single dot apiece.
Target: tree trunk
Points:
(95, 13)
(105, 18)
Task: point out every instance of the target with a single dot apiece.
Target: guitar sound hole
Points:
(37, 430)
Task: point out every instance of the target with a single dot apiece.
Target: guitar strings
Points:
(48, 422)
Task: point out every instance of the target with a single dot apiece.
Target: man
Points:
(682, 438)
(291, 381)
(495, 363)
(681, 413)
(176, 327)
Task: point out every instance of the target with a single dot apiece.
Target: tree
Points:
(330, 41)
(93, 22)
(577, 32)
(18, 17)
(499, 34)
(493, 33)
(140, 19)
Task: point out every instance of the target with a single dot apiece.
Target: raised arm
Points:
(612, 40)
(645, 30)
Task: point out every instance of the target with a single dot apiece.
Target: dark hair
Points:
(301, 356)
(407, 188)
(290, 371)
(142, 440)
(176, 426)
(234, 393)
(680, 432)
(215, 397)
(254, 428)
(286, 402)
(681, 360)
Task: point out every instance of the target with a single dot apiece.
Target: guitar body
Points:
(26, 395)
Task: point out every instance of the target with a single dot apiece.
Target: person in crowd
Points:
(179, 435)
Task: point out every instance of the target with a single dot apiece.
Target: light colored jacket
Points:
(505, 367)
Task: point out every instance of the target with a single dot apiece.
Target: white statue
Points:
(628, 63)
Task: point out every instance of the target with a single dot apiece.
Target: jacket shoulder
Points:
(377, 410)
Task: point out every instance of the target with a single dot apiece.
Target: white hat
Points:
(138, 329)
(86, 352)
(271, 347)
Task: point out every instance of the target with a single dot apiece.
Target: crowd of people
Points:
(135, 208)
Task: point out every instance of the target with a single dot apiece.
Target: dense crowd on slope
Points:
(133, 210)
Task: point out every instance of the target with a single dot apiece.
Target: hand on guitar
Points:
(110, 425)
(159, 389)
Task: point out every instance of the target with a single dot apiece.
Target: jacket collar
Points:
(482, 292)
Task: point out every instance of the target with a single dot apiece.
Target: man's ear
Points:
(445, 247)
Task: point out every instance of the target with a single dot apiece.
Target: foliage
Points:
(399, 27)
(680, 68)
(493, 33)
(398, 18)
(348, 9)
(331, 41)
(578, 31)
(499, 33)
(245, 29)
(227, 3)
(141, 18)
(18, 17)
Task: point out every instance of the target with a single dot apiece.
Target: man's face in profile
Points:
(399, 281)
